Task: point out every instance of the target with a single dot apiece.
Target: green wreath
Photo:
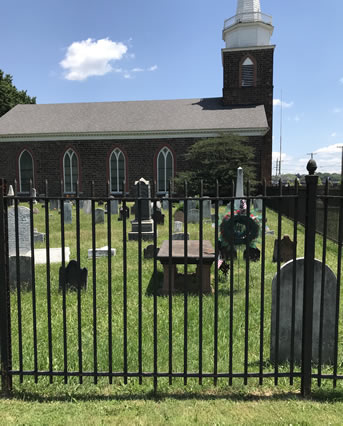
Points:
(230, 229)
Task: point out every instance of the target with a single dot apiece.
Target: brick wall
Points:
(93, 160)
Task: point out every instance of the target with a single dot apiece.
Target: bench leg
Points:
(206, 278)
(165, 289)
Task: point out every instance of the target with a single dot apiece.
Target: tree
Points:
(215, 159)
(10, 96)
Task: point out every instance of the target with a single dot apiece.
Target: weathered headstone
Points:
(113, 204)
(158, 217)
(99, 216)
(258, 203)
(68, 212)
(206, 206)
(177, 226)
(285, 312)
(54, 204)
(101, 252)
(87, 206)
(23, 230)
(39, 237)
(124, 213)
(193, 216)
(191, 204)
(150, 252)
(24, 272)
(72, 277)
(165, 203)
(286, 249)
(10, 194)
(179, 216)
(143, 221)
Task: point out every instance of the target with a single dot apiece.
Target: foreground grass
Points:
(131, 406)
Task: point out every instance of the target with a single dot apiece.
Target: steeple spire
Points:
(248, 6)
(249, 27)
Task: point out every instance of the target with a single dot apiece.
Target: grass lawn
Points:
(134, 403)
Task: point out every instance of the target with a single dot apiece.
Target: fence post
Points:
(310, 237)
(6, 380)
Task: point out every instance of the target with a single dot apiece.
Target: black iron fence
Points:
(126, 317)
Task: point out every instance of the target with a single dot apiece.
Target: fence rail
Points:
(139, 321)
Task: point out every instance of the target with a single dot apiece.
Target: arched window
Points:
(248, 73)
(70, 171)
(165, 170)
(117, 171)
(25, 171)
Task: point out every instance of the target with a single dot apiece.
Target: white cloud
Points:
(341, 80)
(278, 102)
(153, 68)
(91, 57)
(334, 134)
(138, 70)
(337, 110)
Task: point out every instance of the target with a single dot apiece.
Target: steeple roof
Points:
(248, 6)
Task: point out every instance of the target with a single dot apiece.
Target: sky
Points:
(120, 50)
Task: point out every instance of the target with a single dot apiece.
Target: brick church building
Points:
(124, 141)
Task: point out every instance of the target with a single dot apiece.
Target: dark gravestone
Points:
(286, 249)
(158, 217)
(285, 312)
(124, 213)
(72, 277)
(24, 272)
(180, 236)
(150, 252)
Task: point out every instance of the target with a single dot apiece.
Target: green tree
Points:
(10, 96)
(215, 159)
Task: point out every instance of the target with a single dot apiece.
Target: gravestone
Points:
(239, 188)
(87, 206)
(33, 194)
(206, 209)
(258, 203)
(150, 252)
(101, 252)
(54, 204)
(114, 207)
(285, 312)
(193, 216)
(99, 216)
(124, 213)
(39, 237)
(165, 203)
(72, 277)
(179, 216)
(23, 230)
(24, 272)
(143, 220)
(286, 249)
(10, 194)
(81, 202)
(180, 236)
(191, 204)
(177, 226)
(68, 212)
(158, 217)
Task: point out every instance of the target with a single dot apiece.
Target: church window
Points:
(25, 171)
(117, 171)
(164, 169)
(70, 171)
(248, 73)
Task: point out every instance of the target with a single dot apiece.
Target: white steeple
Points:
(249, 27)
(248, 6)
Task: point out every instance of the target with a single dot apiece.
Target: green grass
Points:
(28, 387)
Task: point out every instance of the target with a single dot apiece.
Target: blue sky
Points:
(106, 50)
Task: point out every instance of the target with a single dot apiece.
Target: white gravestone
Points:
(206, 209)
(68, 212)
(177, 226)
(193, 216)
(239, 188)
(101, 252)
(23, 230)
(285, 312)
(87, 206)
(113, 207)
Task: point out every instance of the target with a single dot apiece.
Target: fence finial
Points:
(311, 165)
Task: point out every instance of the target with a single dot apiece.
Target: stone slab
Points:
(101, 252)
